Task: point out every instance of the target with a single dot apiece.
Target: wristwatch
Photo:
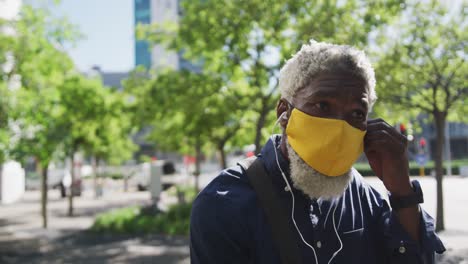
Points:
(415, 198)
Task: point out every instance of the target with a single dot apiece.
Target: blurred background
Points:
(114, 114)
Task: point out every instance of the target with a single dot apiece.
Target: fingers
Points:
(380, 136)
(380, 125)
(381, 141)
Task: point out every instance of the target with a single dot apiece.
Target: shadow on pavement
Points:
(88, 247)
(11, 222)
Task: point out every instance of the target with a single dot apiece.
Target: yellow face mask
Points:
(331, 146)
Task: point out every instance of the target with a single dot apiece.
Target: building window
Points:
(142, 16)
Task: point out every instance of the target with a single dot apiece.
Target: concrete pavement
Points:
(23, 240)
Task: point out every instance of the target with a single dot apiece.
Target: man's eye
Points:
(324, 106)
(358, 114)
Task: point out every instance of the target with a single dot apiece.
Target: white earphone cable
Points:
(293, 202)
(337, 235)
(293, 205)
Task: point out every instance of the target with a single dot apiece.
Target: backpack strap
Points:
(276, 214)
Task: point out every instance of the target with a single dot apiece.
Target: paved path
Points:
(22, 240)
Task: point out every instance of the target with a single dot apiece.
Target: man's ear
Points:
(282, 112)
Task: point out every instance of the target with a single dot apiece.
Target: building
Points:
(458, 135)
(142, 15)
(109, 79)
(150, 12)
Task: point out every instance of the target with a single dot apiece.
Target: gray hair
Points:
(320, 57)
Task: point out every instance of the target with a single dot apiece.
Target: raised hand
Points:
(385, 149)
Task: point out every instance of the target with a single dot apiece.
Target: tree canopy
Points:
(424, 71)
(250, 40)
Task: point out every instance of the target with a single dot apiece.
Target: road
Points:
(22, 240)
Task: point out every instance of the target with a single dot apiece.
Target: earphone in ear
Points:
(283, 116)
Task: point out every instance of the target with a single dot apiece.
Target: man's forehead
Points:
(335, 87)
(331, 85)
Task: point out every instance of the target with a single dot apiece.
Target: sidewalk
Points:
(23, 240)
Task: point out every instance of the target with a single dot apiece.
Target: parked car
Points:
(142, 177)
(56, 179)
(66, 185)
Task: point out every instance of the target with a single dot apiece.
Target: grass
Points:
(145, 220)
(113, 176)
(138, 220)
(188, 192)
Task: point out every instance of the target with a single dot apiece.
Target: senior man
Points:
(300, 200)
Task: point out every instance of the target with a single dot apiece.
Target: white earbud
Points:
(282, 116)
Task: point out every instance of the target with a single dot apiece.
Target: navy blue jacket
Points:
(228, 226)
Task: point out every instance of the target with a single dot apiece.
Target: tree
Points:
(424, 71)
(187, 110)
(39, 65)
(5, 132)
(97, 122)
(84, 102)
(6, 85)
(254, 37)
(112, 142)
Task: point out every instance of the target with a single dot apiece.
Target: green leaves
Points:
(38, 67)
(179, 106)
(244, 43)
(55, 108)
(424, 69)
(96, 119)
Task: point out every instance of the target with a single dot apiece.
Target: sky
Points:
(108, 29)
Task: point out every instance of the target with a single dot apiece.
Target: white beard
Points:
(313, 183)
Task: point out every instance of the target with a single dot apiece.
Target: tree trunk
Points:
(44, 173)
(222, 156)
(99, 180)
(198, 155)
(125, 179)
(70, 193)
(95, 178)
(260, 124)
(440, 118)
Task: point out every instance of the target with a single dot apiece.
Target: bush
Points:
(113, 176)
(137, 220)
(183, 193)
